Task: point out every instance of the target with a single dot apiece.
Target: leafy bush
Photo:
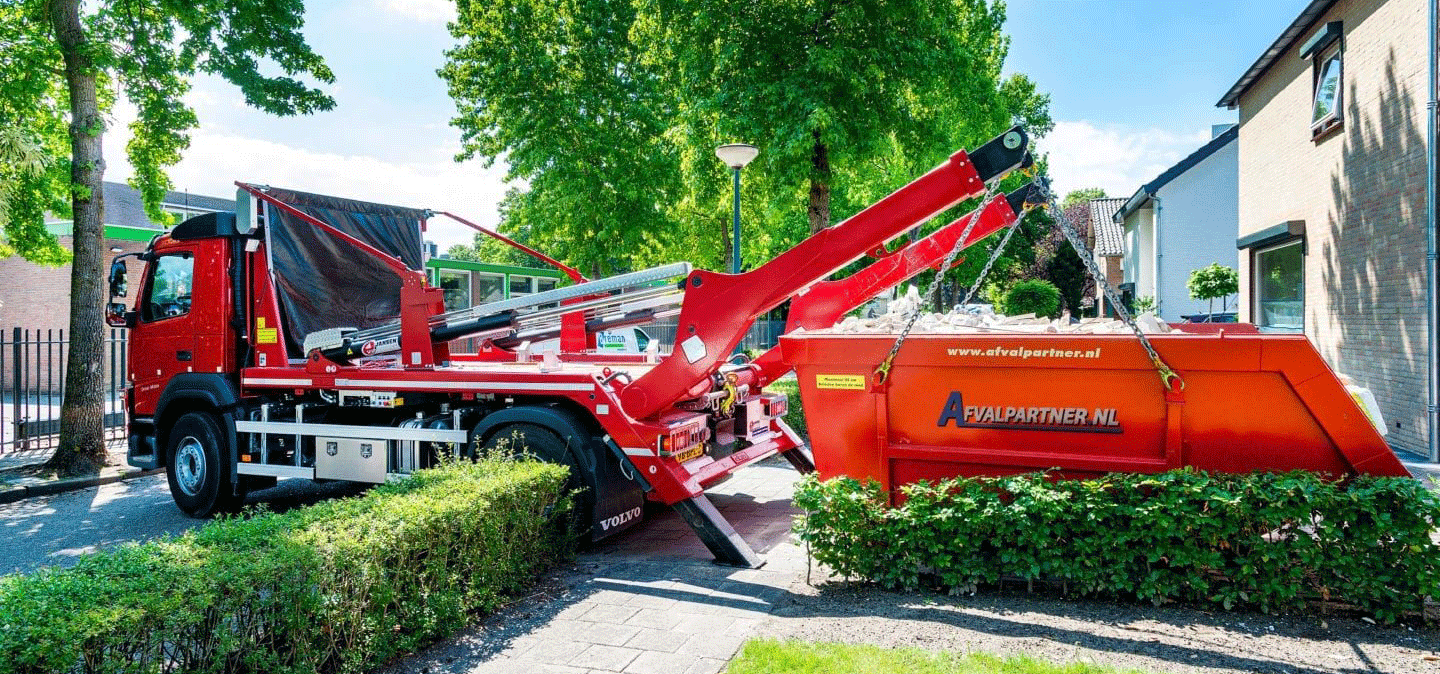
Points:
(336, 587)
(1274, 541)
(1035, 296)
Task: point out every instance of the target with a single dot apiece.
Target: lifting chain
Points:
(1168, 377)
(882, 373)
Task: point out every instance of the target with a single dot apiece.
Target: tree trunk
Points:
(819, 186)
(82, 434)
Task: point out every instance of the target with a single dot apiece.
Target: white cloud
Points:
(424, 11)
(216, 160)
(1114, 157)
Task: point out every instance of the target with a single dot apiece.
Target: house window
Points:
(168, 295)
(1326, 110)
(521, 285)
(543, 284)
(490, 288)
(456, 285)
(1280, 287)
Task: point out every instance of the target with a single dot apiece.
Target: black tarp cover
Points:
(324, 282)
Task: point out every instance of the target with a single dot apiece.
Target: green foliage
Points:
(771, 656)
(1272, 541)
(1067, 271)
(1144, 304)
(1037, 297)
(610, 111)
(147, 51)
(1212, 282)
(1082, 195)
(338, 587)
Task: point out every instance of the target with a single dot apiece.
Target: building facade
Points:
(1332, 196)
(1181, 221)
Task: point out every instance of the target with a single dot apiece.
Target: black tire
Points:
(197, 469)
(533, 441)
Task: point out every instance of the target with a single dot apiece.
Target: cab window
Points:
(168, 294)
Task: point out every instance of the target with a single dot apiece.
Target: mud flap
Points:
(717, 534)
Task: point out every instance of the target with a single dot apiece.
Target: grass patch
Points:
(769, 656)
(795, 417)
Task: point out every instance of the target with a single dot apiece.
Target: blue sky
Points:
(1133, 86)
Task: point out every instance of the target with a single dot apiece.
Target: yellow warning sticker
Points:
(267, 335)
(847, 382)
(259, 322)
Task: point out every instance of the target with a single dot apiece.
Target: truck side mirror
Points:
(119, 285)
(117, 315)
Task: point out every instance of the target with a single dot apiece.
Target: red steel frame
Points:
(638, 414)
(824, 303)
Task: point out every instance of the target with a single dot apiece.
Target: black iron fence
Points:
(32, 377)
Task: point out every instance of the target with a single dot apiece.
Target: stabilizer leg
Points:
(717, 534)
(800, 458)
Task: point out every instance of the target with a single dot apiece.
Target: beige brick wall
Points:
(1361, 192)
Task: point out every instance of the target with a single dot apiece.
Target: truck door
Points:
(162, 344)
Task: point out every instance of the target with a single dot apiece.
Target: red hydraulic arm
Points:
(824, 303)
(719, 308)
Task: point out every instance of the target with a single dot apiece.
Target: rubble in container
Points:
(983, 319)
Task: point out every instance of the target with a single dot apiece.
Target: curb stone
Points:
(51, 487)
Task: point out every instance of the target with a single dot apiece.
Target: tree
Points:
(611, 111)
(61, 71)
(1216, 280)
(1034, 296)
(1082, 195)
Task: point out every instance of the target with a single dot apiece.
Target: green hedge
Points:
(1276, 542)
(336, 587)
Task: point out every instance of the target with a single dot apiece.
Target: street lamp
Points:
(736, 156)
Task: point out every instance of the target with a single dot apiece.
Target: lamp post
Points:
(736, 156)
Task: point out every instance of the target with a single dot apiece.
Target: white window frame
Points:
(1336, 116)
(512, 278)
(504, 285)
(440, 275)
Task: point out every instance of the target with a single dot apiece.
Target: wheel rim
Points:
(190, 465)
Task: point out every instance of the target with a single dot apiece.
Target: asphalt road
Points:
(57, 530)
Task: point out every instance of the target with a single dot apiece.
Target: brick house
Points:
(38, 297)
(1107, 243)
(1333, 210)
(1179, 222)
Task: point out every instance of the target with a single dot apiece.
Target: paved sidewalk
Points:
(17, 488)
(649, 601)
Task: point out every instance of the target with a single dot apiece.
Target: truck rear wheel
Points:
(522, 440)
(198, 471)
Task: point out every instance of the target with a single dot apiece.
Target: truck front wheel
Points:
(198, 471)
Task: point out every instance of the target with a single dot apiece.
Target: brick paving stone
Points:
(607, 658)
(523, 667)
(651, 662)
(607, 634)
(658, 640)
(608, 613)
(708, 624)
(716, 646)
(706, 666)
(651, 601)
(550, 650)
(655, 619)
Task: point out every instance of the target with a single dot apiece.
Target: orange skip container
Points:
(989, 404)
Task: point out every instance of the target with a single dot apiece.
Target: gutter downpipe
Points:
(1159, 255)
(1433, 311)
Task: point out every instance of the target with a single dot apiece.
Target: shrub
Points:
(1273, 541)
(1035, 296)
(336, 587)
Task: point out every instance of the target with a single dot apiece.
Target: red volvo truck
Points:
(298, 337)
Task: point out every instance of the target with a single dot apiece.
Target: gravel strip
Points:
(1125, 636)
